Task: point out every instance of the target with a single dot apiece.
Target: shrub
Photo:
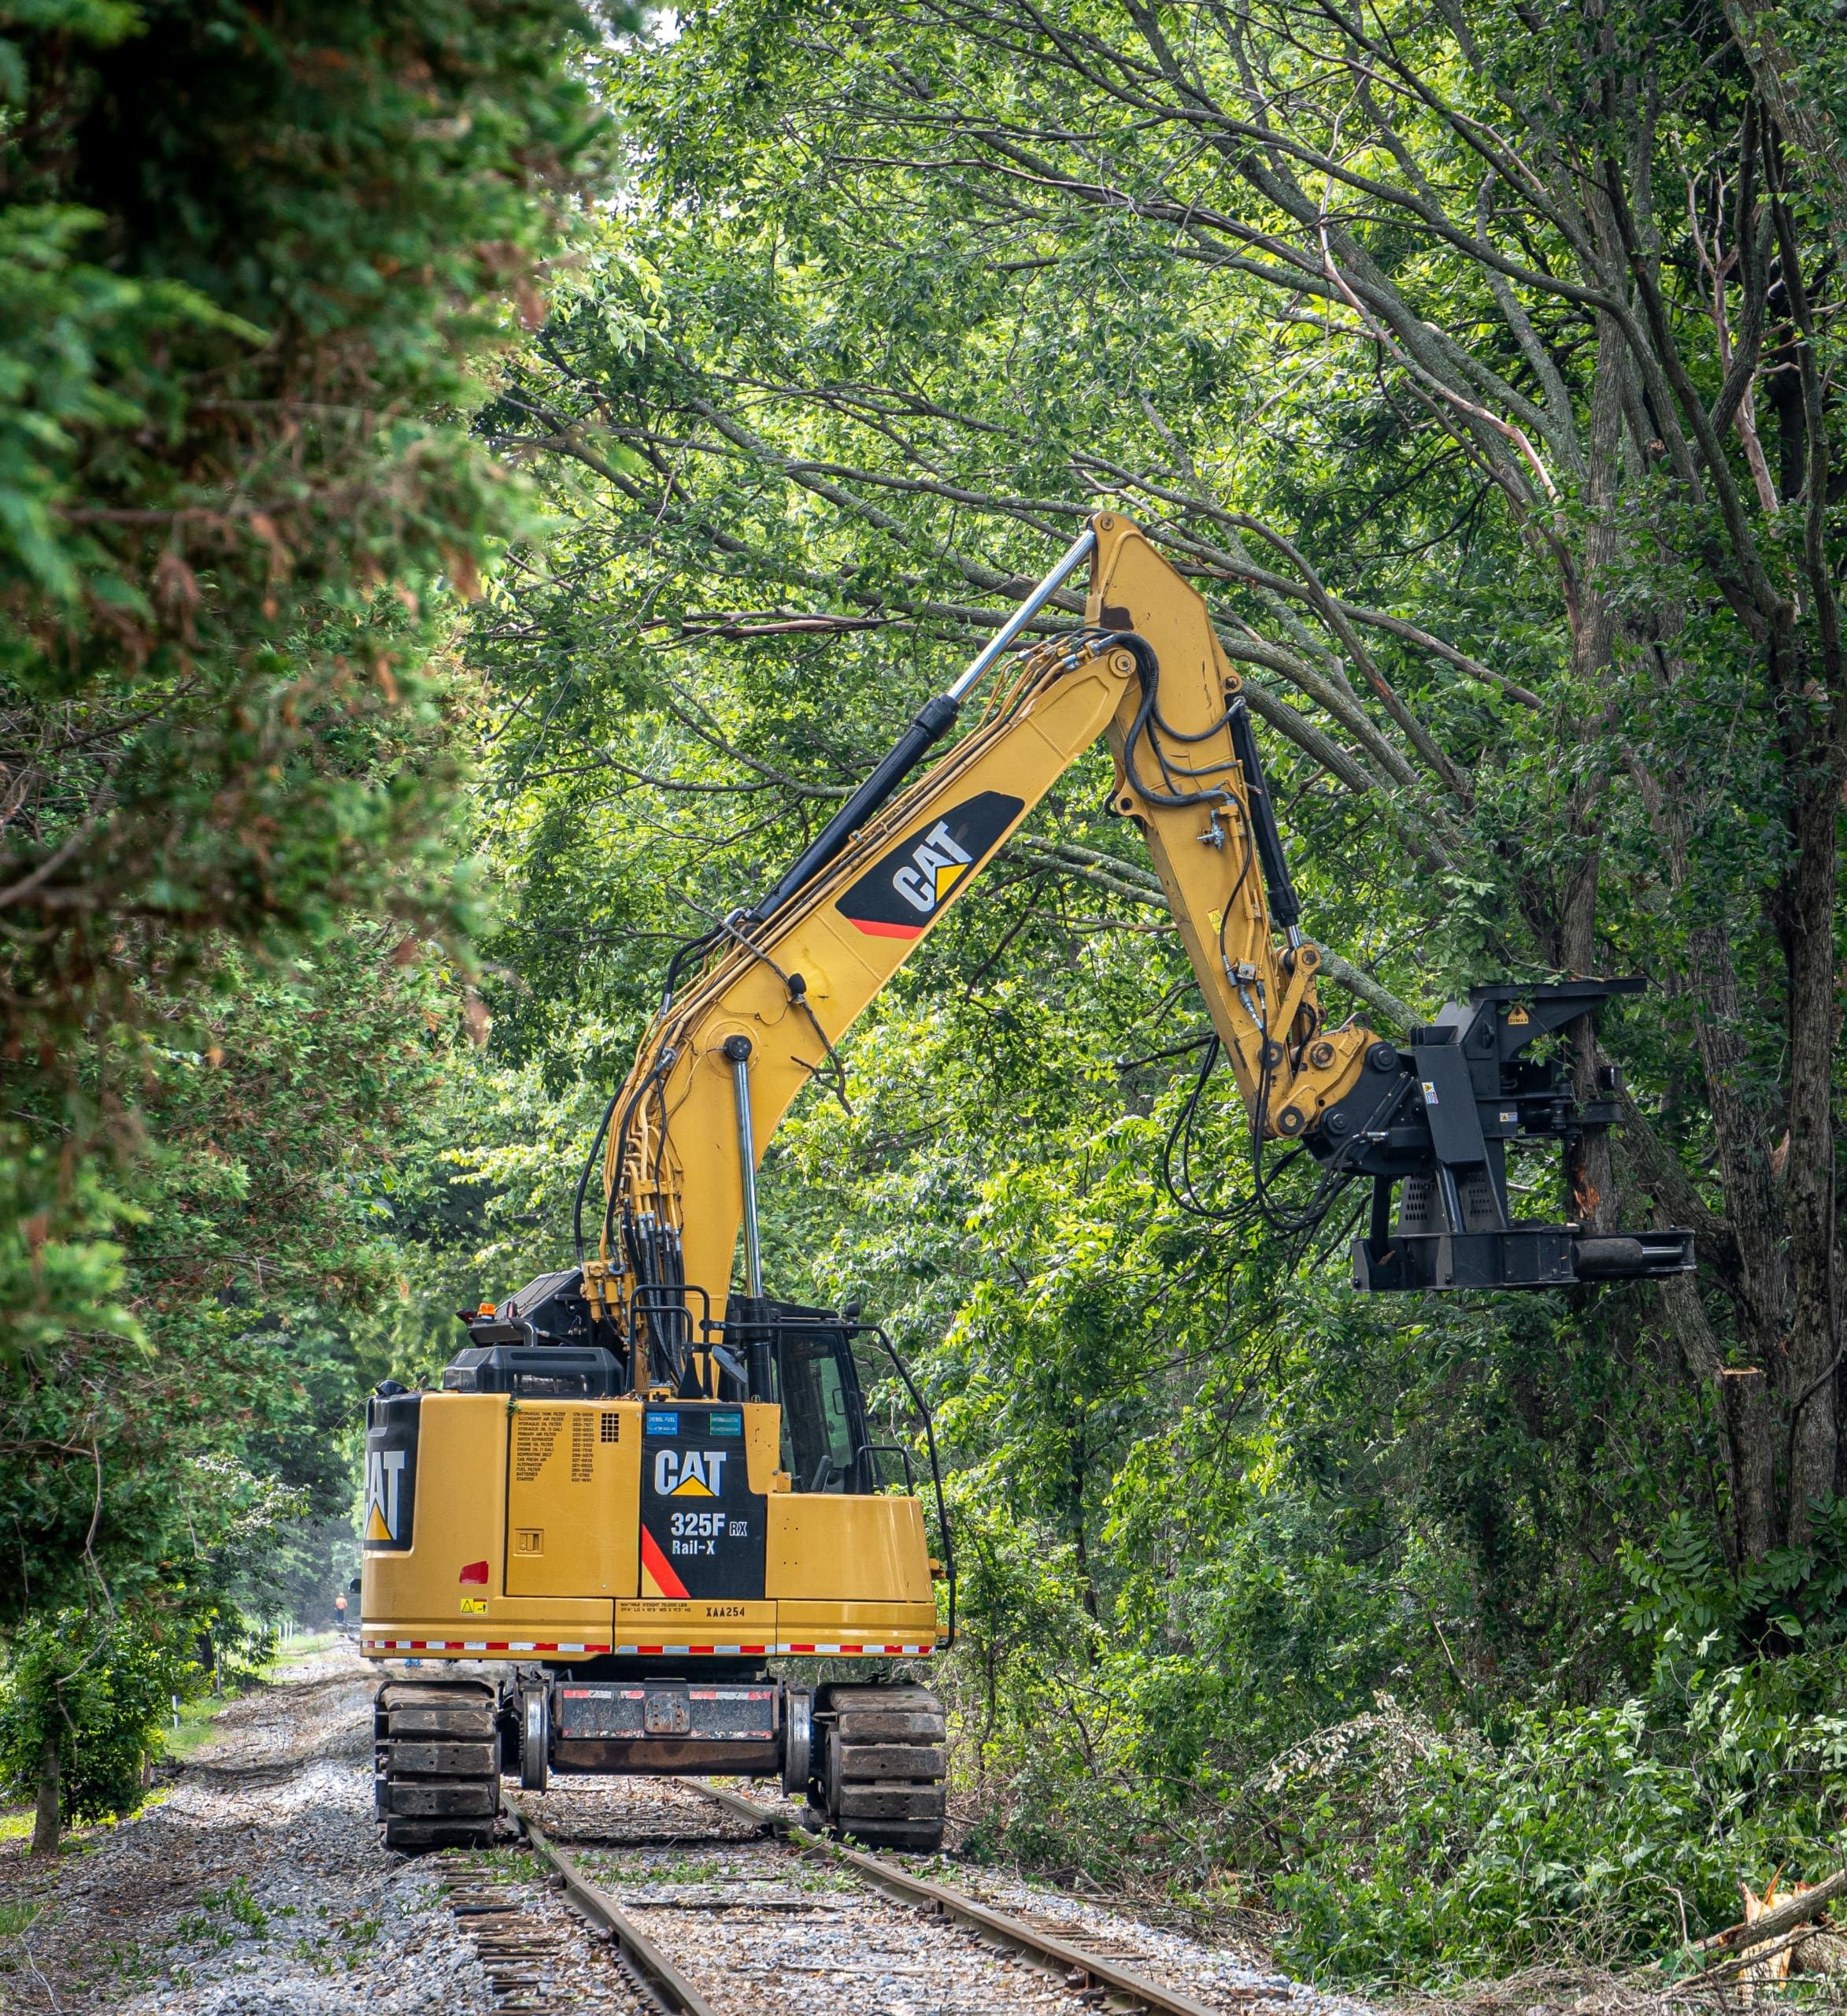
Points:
(102, 1685)
(1610, 1832)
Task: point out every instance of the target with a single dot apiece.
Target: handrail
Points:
(942, 1510)
(898, 1450)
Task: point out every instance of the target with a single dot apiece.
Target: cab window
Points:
(823, 1437)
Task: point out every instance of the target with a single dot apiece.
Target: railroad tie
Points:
(1105, 1945)
(520, 1955)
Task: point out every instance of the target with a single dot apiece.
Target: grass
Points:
(235, 1898)
(314, 1953)
(660, 1870)
(16, 1918)
(304, 1646)
(134, 1967)
(16, 1825)
(195, 1723)
(205, 1927)
(197, 1929)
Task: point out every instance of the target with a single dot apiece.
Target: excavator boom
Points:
(791, 978)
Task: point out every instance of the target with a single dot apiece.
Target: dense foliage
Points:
(1479, 364)
(251, 262)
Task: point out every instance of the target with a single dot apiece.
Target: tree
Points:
(252, 264)
(249, 264)
(156, 1477)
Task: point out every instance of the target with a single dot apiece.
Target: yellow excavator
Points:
(644, 1479)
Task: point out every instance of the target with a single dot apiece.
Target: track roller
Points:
(880, 1762)
(438, 1779)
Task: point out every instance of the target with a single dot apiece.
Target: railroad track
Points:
(698, 1902)
(532, 1949)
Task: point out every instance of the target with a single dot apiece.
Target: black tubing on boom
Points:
(590, 1162)
(1285, 910)
(932, 719)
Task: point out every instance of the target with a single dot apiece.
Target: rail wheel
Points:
(880, 1763)
(438, 1778)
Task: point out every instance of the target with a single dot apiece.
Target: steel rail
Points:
(657, 1976)
(957, 1904)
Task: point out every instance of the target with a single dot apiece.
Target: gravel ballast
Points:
(766, 1928)
(253, 1884)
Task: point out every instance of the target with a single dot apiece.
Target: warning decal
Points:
(658, 1578)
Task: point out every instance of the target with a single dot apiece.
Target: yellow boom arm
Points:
(760, 1018)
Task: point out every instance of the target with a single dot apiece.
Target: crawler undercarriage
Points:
(869, 1757)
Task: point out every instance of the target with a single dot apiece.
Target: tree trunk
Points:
(1080, 1469)
(1760, 1295)
(1777, 75)
(1590, 1182)
(1750, 1425)
(1591, 1175)
(45, 1819)
(1808, 1369)
(1699, 1353)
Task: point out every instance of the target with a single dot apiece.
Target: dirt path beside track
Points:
(253, 1882)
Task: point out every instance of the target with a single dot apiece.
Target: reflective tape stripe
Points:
(482, 1645)
(914, 1651)
(697, 1651)
(643, 1651)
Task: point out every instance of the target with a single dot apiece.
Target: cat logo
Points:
(384, 1474)
(690, 1473)
(900, 895)
(932, 871)
(390, 1474)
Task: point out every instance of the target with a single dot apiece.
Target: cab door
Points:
(823, 1415)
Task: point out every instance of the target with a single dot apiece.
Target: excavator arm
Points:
(775, 988)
